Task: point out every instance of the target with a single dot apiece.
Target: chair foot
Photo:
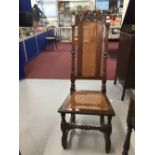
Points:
(107, 142)
(107, 135)
(124, 153)
(64, 141)
(64, 131)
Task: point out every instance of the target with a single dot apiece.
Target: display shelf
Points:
(32, 40)
(65, 27)
(65, 7)
(115, 7)
(30, 32)
(115, 25)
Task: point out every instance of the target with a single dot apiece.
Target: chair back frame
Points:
(52, 30)
(98, 19)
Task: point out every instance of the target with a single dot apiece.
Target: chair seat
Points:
(87, 102)
(49, 38)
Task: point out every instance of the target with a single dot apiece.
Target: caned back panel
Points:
(89, 51)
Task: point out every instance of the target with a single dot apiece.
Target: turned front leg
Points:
(101, 120)
(64, 130)
(107, 135)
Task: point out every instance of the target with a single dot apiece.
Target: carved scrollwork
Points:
(91, 16)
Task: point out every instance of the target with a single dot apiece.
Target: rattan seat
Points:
(87, 102)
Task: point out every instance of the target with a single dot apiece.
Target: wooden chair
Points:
(51, 37)
(89, 53)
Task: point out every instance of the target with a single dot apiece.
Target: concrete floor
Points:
(39, 121)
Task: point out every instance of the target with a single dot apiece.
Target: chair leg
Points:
(127, 142)
(107, 135)
(115, 80)
(52, 45)
(123, 94)
(45, 44)
(101, 120)
(55, 43)
(73, 118)
(64, 131)
(49, 45)
(108, 142)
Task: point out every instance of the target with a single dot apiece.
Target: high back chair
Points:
(89, 52)
(51, 37)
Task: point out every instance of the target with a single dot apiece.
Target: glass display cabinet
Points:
(65, 7)
(114, 30)
(25, 32)
(116, 18)
(29, 32)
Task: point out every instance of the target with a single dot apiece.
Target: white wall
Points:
(33, 2)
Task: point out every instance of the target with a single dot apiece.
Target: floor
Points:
(57, 64)
(40, 132)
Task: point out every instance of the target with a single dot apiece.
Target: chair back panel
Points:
(89, 46)
(52, 31)
(89, 49)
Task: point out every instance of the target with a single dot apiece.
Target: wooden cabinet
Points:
(125, 70)
(130, 122)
